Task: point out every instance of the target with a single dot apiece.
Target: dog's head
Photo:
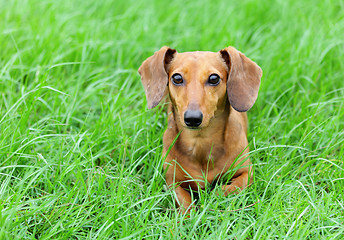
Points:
(200, 83)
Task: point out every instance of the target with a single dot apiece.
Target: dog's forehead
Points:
(198, 59)
(197, 56)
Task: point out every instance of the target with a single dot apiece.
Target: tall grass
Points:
(80, 154)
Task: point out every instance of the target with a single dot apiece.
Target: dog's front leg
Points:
(237, 184)
(174, 178)
(182, 197)
(183, 200)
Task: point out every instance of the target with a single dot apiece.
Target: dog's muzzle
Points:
(193, 118)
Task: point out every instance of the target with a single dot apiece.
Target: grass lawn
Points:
(80, 154)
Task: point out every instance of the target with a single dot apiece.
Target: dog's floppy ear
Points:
(154, 76)
(243, 79)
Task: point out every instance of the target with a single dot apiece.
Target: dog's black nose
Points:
(193, 118)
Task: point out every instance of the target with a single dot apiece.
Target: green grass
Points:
(80, 154)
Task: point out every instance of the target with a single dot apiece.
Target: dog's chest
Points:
(200, 160)
(204, 153)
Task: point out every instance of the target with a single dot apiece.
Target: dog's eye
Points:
(214, 79)
(177, 79)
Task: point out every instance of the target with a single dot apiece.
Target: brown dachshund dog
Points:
(208, 95)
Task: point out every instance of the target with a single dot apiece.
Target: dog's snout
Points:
(193, 118)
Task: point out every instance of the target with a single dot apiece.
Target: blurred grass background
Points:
(80, 154)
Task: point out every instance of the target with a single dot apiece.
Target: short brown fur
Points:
(204, 154)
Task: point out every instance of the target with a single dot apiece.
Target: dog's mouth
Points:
(193, 128)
